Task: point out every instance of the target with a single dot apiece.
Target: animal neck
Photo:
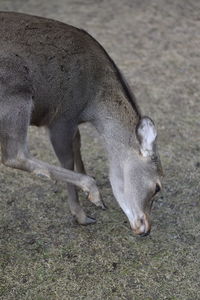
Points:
(115, 121)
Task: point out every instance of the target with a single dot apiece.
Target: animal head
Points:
(135, 178)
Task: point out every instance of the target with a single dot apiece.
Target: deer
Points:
(58, 76)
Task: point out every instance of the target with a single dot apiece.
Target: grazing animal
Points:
(58, 76)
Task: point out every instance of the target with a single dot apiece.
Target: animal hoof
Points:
(84, 221)
(89, 221)
(95, 198)
(102, 205)
(93, 194)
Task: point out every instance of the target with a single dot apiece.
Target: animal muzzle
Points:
(142, 225)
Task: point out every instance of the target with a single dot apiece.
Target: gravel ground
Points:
(44, 254)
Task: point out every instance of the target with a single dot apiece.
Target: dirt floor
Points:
(44, 254)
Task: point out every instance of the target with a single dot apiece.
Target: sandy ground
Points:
(44, 254)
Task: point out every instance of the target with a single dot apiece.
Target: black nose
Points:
(145, 233)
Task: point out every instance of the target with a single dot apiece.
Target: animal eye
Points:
(157, 189)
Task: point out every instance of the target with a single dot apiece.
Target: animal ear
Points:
(146, 134)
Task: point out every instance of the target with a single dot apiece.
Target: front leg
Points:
(15, 115)
(67, 149)
(79, 165)
(15, 154)
(93, 196)
(71, 178)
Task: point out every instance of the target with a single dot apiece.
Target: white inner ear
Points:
(147, 135)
